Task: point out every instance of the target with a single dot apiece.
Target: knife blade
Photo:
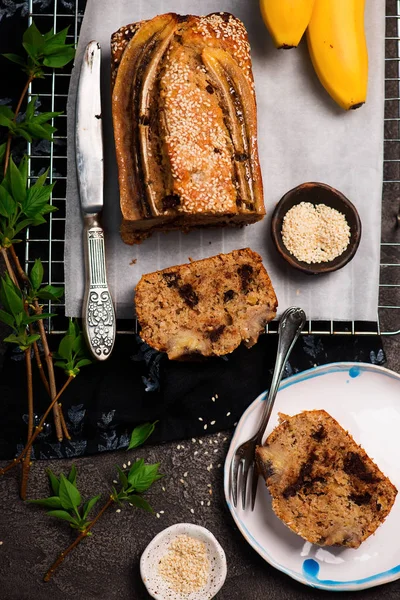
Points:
(98, 310)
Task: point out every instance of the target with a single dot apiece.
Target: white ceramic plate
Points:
(365, 400)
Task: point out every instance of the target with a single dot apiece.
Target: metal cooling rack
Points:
(47, 241)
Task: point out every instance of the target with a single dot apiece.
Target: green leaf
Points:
(87, 507)
(32, 338)
(49, 292)
(7, 203)
(23, 169)
(36, 197)
(6, 112)
(79, 344)
(32, 52)
(17, 182)
(52, 502)
(15, 59)
(2, 152)
(22, 224)
(139, 502)
(122, 477)
(12, 339)
(30, 109)
(84, 362)
(34, 38)
(54, 481)
(36, 274)
(27, 320)
(140, 479)
(72, 475)
(42, 118)
(64, 515)
(69, 495)
(65, 347)
(21, 131)
(10, 296)
(60, 59)
(38, 131)
(6, 318)
(54, 40)
(140, 434)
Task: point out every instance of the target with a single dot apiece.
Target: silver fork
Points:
(290, 326)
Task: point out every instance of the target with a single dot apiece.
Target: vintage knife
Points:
(98, 310)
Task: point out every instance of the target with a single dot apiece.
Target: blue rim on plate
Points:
(310, 567)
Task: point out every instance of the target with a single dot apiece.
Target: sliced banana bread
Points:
(207, 307)
(323, 485)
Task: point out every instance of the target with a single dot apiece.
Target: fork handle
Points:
(290, 327)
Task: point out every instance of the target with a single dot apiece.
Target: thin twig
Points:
(50, 371)
(10, 135)
(46, 350)
(63, 423)
(27, 460)
(39, 362)
(37, 430)
(21, 273)
(80, 537)
(10, 270)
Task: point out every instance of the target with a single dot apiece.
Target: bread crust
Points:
(186, 151)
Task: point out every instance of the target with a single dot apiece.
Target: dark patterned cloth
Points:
(137, 384)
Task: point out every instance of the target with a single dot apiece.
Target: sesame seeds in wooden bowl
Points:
(315, 228)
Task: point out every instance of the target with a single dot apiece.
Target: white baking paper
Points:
(303, 136)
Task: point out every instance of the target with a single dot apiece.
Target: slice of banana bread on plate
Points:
(323, 484)
(206, 307)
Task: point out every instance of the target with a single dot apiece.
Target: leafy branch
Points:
(23, 205)
(66, 501)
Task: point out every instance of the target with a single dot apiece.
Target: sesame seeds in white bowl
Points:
(183, 562)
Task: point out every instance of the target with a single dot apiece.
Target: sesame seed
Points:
(182, 481)
(200, 419)
(227, 414)
(192, 510)
(205, 426)
(212, 423)
(315, 233)
(157, 515)
(115, 481)
(186, 566)
(196, 453)
(178, 447)
(118, 510)
(193, 440)
(129, 463)
(185, 474)
(208, 503)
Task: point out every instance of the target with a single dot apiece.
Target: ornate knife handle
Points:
(98, 310)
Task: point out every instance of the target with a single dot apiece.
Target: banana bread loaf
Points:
(323, 485)
(207, 307)
(185, 127)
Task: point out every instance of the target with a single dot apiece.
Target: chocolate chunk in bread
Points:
(204, 307)
(323, 485)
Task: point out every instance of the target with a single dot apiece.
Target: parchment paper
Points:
(303, 136)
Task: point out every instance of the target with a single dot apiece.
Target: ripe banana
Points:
(286, 20)
(338, 50)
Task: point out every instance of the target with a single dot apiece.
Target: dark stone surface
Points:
(106, 566)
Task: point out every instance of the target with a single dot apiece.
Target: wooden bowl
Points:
(317, 193)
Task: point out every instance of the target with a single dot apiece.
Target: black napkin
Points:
(137, 384)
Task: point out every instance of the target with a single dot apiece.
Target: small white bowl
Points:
(159, 588)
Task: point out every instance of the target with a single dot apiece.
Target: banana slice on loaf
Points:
(323, 485)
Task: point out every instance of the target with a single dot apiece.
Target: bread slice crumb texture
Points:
(323, 484)
(207, 307)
